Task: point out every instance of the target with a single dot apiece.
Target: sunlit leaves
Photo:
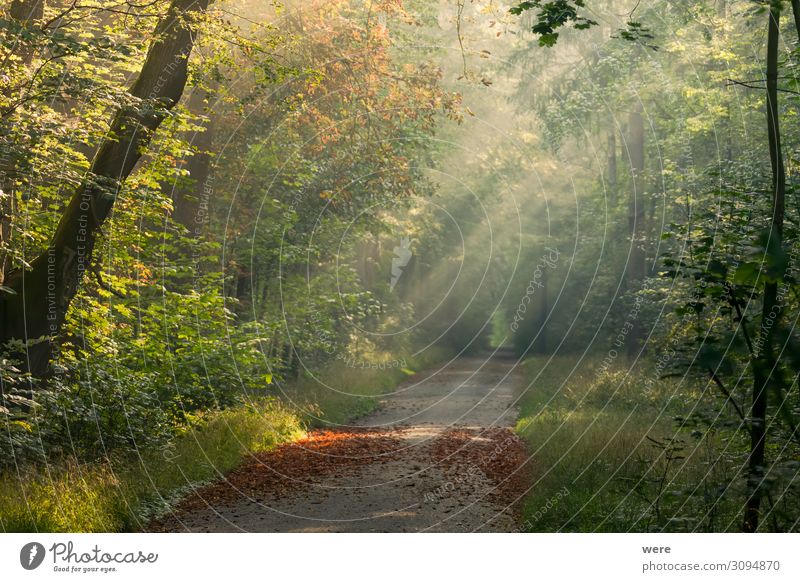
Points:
(552, 15)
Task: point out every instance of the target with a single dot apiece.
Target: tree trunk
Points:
(43, 293)
(611, 179)
(542, 315)
(764, 362)
(25, 12)
(636, 219)
(190, 201)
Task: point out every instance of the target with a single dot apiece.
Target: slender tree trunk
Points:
(611, 179)
(187, 200)
(764, 362)
(543, 311)
(636, 218)
(43, 293)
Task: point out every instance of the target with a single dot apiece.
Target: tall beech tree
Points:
(35, 302)
(24, 13)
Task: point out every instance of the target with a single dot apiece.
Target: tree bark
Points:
(26, 10)
(42, 294)
(764, 363)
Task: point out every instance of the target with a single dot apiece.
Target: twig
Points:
(96, 272)
(460, 37)
(731, 82)
(727, 394)
(735, 302)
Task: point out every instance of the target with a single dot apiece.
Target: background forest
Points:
(225, 223)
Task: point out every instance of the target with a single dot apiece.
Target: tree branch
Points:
(727, 394)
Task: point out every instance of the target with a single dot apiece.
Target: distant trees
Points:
(637, 205)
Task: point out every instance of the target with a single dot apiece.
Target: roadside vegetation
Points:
(122, 491)
(608, 455)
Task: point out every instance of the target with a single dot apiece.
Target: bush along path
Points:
(439, 454)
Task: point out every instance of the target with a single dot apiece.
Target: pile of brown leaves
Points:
(497, 452)
(294, 465)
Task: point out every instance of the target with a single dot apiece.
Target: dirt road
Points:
(437, 455)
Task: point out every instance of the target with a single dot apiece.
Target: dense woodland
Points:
(224, 222)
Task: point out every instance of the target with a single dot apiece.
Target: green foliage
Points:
(615, 438)
(551, 16)
(141, 480)
(224, 286)
(250, 252)
(122, 495)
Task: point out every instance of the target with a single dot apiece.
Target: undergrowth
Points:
(123, 489)
(615, 450)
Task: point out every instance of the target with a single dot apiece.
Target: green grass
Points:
(121, 494)
(595, 467)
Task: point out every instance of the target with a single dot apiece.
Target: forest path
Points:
(438, 454)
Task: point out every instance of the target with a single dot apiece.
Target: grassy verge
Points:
(121, 494)
(607, 454)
